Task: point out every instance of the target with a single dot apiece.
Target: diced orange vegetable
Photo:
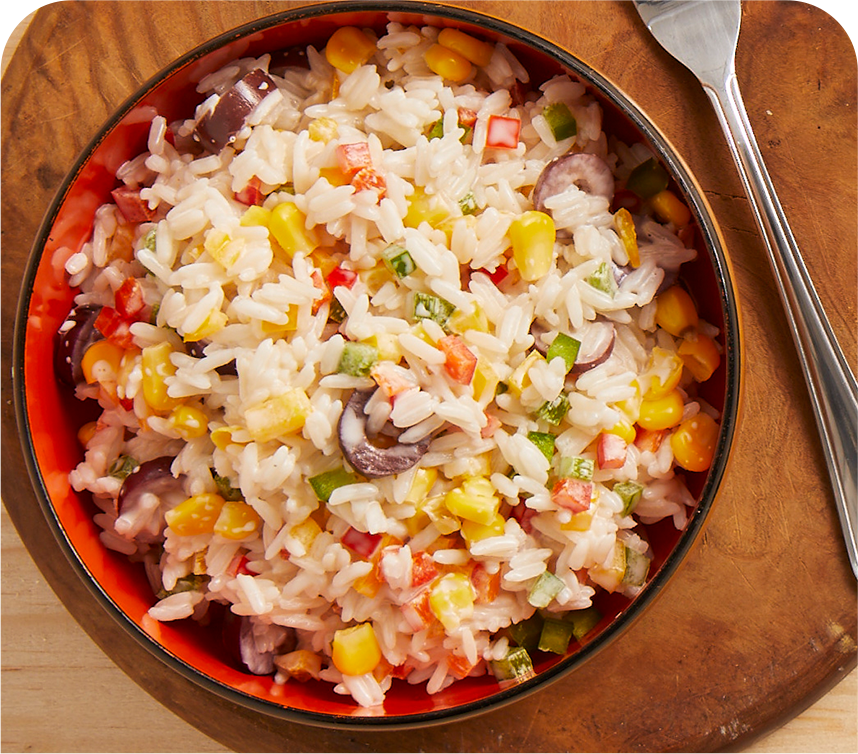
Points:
(157, 368)
(610, 451)
(669, 208)
(423, 569)
(369, 179)
(87, 432)
(573, 494)
(661, 413)
(417, 611)
(461, 362)
(355, 650)
(675, 311)
(353, 157)
(101, 362)
(650, 439)
(475, 50)
(693, 442)
(196, 515)
(625, 226)
(700, 355)
(459, 665)
(237, 520)
(348, 48)
(302, 665)
(486, 585)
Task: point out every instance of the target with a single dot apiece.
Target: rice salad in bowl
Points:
(393, 363)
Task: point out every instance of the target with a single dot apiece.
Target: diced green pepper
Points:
(566, 347)
(554, 411)
(545, 589)
(630, 493)
(190, 583)
(357, 359)
(336, 313)
(501, 389)
(647, 179)
(429, 306)
(436, 130)
(122, 467)
(576, 468)
(544, 441)
(526, 633)
(149, 240)
(583, 621)
(637, 567)
(325, 483)
(225, 488)
(555, 636)
(515, 667)
(603, 279)
(560, 120)
(468, 203)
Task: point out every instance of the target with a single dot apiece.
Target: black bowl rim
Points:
(696, 521)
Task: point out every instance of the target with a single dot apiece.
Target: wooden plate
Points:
(761, 620)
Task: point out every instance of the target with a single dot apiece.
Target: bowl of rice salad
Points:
(396, 364)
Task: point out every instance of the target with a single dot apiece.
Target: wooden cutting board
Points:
(761, 619)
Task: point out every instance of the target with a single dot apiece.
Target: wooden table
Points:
(60, 693)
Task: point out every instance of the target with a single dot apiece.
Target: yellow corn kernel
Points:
(610, 576)
(452, 600)
(532, 236)
(374, 278)
(670, 208)
(387, 345)
(288, 225)
(665, 370)
(625, 226)
(661, 413)
(196, 515)
(323, 129)
(478, 52)
(214, 322)
(275, 329)
(237, 520)
(675, 311)
(421, 484)
(693, 442)
(280, 415)
(87, 432)
(222, 437)
(349, 48)
(188, 421)
(423, 207)
(355, 650)
(579, 521)
(334, 176)
(306, 533)
(625, 429)
(460, 322)
(447, 63)
(101, 362)
(255, 215)
(631, 407)
(700, 354)
(224, 250)
(436, 511)
(302, 665)
(484, 383)
(474, 500)
(369, 583)
(474, 532)
(157, 368)
(519, 380)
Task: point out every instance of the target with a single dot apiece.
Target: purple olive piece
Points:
(144, 497)
(197, 349)
(597, 344)
(377, 456)
(588, 172)
(219, 127)
(75, 335)
(254, 648)
(537, 330)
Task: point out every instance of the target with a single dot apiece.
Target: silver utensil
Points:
(703, 35)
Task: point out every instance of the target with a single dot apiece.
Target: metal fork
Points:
(703, 35)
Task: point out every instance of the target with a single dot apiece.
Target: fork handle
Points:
(832, 386)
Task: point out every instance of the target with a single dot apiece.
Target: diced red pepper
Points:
(113, 326)
(133, 208)
(467, 117)
(325, 292)
(423, 568)
(402, 671)
(486, 585)
(459, 665)
(129, 300)
(623, 198)
(418, 612)
(573, 494)
(499, 274)
(369, 179)
(238, 565)
(492, 425)
(502, 132)
(341, 276)
(391, 379)
(461, 362)
(353, 157)
(649, 439)
(251, 194)
(360, 542)
(524, 516)
(610, 451)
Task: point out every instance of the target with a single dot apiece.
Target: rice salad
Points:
(391, 362)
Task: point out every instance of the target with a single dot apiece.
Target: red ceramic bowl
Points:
(49, 417)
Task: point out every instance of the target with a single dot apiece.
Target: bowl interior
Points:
(51, 417)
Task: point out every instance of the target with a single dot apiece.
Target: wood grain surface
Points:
(761, 620)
